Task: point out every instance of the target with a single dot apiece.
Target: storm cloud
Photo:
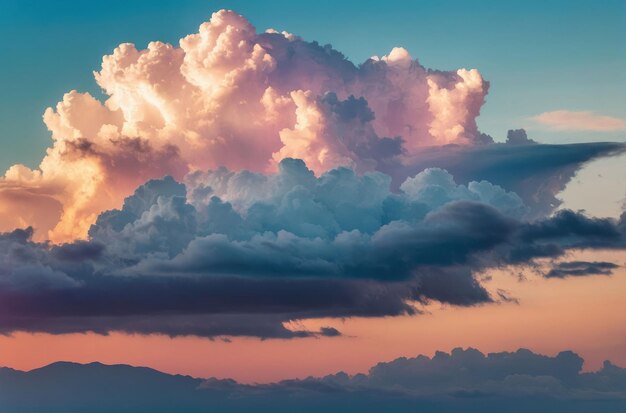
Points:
(242, 253)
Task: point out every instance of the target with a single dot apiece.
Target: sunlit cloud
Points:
(584, 121)
(230, 96)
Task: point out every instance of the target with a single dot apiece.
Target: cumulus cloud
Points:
(229, 96)
(472, 371)
(467, 377)
(243, 253)
(463, 380)
(340, 224)
(566, 120)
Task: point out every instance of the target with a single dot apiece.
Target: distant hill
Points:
(464, 381)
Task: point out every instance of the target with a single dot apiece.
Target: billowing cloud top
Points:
(228, 96)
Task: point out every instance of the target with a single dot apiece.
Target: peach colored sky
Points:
(587, 315)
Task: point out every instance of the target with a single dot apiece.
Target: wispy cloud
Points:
(566, 120)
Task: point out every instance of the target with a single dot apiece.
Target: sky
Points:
(237, 202)
(578, 44)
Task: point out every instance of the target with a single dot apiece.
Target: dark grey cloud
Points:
(537, 173)
(203, 306)
(551, 237)
(581, 268)
(471, 370)
(462, 380)
(239, 253)
(352, 119)
(518, 137)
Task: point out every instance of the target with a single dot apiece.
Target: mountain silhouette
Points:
(404, 385)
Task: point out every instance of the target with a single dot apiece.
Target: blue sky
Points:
(538, 55)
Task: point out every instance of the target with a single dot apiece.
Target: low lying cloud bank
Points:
(472, 374)
(463, 380)
(242, 253)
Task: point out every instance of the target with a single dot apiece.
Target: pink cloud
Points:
(565, 120)
(229, 96)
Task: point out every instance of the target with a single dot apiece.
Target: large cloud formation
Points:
(229, 96)
(462, 380)
(243, 180)
(242, 253)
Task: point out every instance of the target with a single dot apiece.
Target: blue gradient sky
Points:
(538, 55)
